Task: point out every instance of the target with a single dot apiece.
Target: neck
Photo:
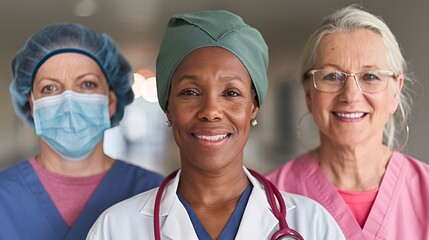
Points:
(212, 189)
(353, 169)
(95, 163)
(213, 196)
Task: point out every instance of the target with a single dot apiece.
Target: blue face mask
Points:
(72, 123)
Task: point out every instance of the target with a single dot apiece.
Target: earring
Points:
(254, 122)
(168, 123)
(397, 124)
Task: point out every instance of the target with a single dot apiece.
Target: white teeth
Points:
(212, 138)
(350, 115)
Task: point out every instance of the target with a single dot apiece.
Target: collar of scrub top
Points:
(231, 228)
(177, 218)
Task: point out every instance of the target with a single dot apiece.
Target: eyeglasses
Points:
(370, 81)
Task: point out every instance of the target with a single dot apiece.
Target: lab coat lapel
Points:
(257, 210)
(175, 221)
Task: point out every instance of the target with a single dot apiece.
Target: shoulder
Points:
(12, 175)
(302, 203)
(137, 174)
(122, 220)
(134, 169)
(416, 163)
(130, 206)
(291, 169)
(415, 167)
(310, 218)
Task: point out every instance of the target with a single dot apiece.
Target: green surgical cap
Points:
(188, 32)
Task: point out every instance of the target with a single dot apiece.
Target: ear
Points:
(167, 113)
(113, 101)
(307, 85)
(255, 108)
(399, 83)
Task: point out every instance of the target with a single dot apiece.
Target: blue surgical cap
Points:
(218, 28)
(69, 37)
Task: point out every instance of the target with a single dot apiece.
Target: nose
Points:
(210, 108)
(351, 91)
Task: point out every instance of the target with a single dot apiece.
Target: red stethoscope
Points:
(273, 195)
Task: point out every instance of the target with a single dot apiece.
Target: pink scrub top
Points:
(401, 207)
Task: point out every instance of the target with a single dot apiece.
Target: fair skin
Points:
(210, 107)
(81, 74)
(351, 122)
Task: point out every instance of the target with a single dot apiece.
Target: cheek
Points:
(386, 103)
(320, 108)
(241, 113)
(319, 102)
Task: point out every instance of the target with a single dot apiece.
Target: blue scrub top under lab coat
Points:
(27, 211)
(231, 228)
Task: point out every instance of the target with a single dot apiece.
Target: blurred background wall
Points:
(137, 27)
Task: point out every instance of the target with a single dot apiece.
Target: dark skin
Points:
(210, 107)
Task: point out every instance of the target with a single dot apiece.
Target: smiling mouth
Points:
(212, 138)
(350, 115)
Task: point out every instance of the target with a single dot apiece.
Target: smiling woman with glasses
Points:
(356, 89)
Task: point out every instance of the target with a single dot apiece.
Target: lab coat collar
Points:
(169, 197)
(178, 225)
(259, 211)
(175, 222)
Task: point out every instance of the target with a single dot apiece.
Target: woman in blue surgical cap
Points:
(70, 84)
(211, 81)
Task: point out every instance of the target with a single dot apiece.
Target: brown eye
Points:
(231, 93)
(188, 92)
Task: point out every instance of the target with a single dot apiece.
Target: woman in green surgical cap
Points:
(212, 80)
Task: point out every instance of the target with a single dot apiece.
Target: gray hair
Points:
(353, 18)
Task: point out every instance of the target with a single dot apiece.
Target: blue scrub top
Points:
(27, 211)
(231, 227)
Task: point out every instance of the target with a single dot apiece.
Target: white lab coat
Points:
(133, 218)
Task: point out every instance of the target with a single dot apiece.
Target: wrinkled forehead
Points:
(352, 51)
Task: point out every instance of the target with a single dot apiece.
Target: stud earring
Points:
(168, 123)
(254, 122)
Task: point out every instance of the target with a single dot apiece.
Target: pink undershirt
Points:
(69, 194)
(359, 203)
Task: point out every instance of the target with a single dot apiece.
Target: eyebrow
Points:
(340, 68)
(98, 76)
(227, 78)
(187, 77)
(195, 78)
(39, 80)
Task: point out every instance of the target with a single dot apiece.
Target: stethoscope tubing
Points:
(156, 210)
(272, 193)
(279, 210)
